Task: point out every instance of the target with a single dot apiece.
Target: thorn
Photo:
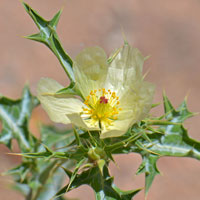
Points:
(147, 57)
(164, 93)
(26, 37)
(123, 35)
(116, 164)
(27, 84)
(146, 73)
(63, 6)
(47, 148)
(155, 105)
(196, 113)
(187, 95)
(15, 154)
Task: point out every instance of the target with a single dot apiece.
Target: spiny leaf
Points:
(102, 184)
(54, 137)
(55, 19)
(148, 167)
(20, 172)
(71, 90)
(126, 195)
(15, 115)
(75, 172)
(167, 104)
(179, 115)
(49, 179)
(167, 138)
(49, 37)
(22, 188)
(174, 142)
(46, 154)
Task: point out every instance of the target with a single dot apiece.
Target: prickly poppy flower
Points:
(114, 93)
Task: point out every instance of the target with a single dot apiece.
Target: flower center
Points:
(102, 107)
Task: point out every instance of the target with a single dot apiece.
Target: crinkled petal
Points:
(92, 62)
(83, 84)
(76, 119)
(57, 108)
(146, 95)
(112, 133)
(90, 69)
(118, 128)
(126, 79)
(125, 68)
(137, 104)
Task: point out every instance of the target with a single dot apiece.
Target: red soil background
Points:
(167, 30)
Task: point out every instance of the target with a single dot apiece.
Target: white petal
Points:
(92, 62)
(57, 108)
(125, 68)
(76, 119)
(83, 84)
(137, 104)
(119, 128)
(125, 78)
(90, 69)
(112, 133)
(146, 98)
(128, 57)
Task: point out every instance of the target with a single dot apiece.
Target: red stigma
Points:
(103, 100)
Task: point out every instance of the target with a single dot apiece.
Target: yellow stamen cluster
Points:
(102, 107)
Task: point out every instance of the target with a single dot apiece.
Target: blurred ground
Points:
(167, 30)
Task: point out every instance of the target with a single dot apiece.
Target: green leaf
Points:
(50, 178)
(22, 188)
(15, 115)
(148, 167)
(126, 195)
(154, 138)
(46, 154)
(49, 37)
(72, 153)
(102, 184)
(45, 180)
(179, 115)
(73, 175)
(174, 142)
(71, 90)
(20, 172)
(45, 174)
(41, 178)
(33, 175)
(52, 136)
